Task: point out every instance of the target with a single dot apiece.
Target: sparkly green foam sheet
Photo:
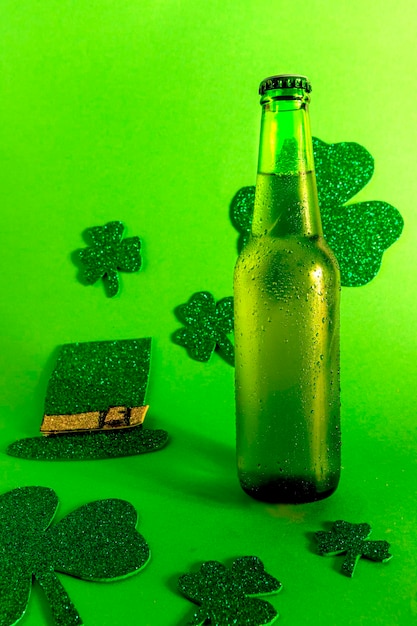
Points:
(97, 542)
(229, 595)
(90, 446)
(351, 540)
(108, 254)
(358, 233)
(207, 324)
(93, 376)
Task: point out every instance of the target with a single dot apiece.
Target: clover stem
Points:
(112, 283)
(226, 349)
(349, 564)
(63, 610)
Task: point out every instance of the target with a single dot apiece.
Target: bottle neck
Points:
(286, 201)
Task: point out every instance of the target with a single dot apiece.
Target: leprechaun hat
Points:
(98, 386)
(95, 404)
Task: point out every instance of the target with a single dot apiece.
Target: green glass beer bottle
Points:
(287, 303)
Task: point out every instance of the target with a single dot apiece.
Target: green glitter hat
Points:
(94, 399)
(99, 385)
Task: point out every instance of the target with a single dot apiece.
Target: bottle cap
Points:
(285, 81)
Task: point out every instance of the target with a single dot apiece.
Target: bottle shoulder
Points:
(297, 265)
(295, 249)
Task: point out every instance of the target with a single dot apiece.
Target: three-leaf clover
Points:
(108, 255)
(228, 596)
(352, 540)
(96, 542)
(358, 233)
(207, 326)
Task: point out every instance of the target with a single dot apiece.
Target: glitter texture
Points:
(357, 233)
(108, 255)
(97, 542)
(351, 539)
(89, 446)
(207, 325)
(241, 214)
(115, 417)
(97, 375)
(226, 595)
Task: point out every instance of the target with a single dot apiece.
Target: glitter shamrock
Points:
(357, 233)
(97, 542)
(226, 596)
(207, 325)
(352, 540)
(108, 255)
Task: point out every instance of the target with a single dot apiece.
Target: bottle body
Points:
(287, 303)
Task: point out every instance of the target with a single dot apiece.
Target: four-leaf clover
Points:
(226, 596)
(358, 233)
(207, 326)
(96, 542)
(109, 254)
(352, 540)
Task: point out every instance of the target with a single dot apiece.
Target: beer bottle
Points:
(287, 297)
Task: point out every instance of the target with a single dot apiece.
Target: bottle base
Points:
(288, 491)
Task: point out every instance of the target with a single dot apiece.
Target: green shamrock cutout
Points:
(97, 542)
(357, 233)
(228, 596)
(108, 255)
(352, 540)
(207, 325)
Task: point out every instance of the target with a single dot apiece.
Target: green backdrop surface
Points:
(148, 113)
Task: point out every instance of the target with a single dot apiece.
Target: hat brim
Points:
(89, 445)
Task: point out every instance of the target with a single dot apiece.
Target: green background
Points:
(147, 112)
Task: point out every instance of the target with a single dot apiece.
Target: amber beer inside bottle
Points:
(287, 298)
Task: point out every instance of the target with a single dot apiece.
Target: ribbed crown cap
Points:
(285, 81)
